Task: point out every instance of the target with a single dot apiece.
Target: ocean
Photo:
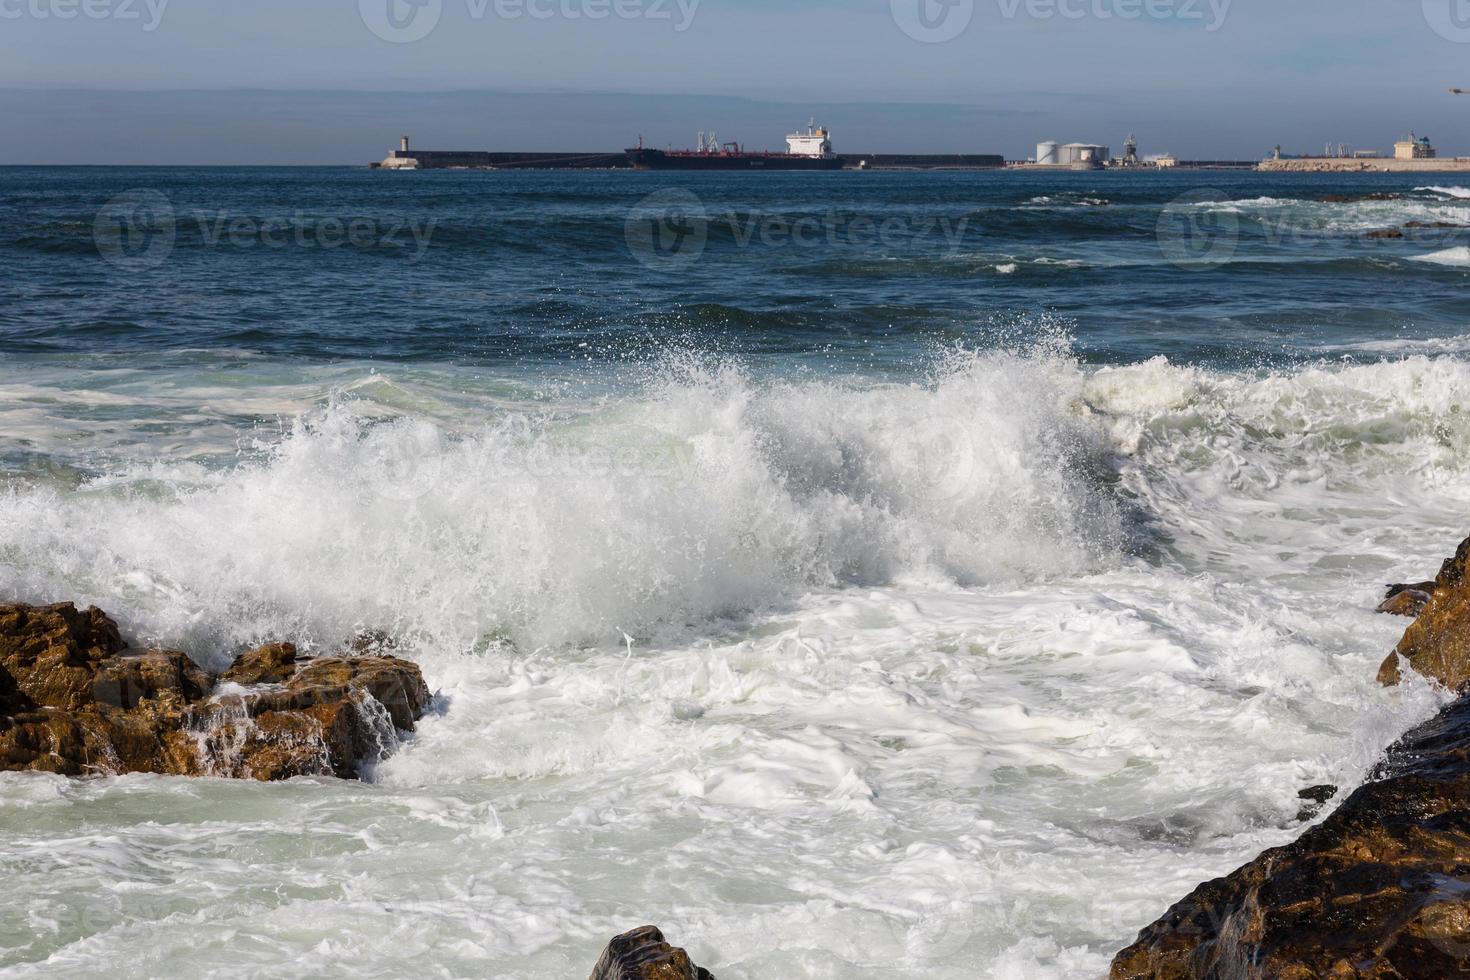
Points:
(856, 574)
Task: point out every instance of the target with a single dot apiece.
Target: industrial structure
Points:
(1082, 156)
(1414, 148)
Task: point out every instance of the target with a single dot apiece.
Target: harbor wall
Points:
(1319, 165)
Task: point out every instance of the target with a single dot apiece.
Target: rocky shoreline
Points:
(1381, 888)
(74, 700)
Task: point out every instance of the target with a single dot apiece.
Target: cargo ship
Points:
(810, 150)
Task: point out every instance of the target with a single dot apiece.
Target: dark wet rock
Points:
(1379, 889)
(1314, 799)
(1358, 198)
(73, 702)
(1437, 643)
(372, 643)
(1432, 224)
(1406, 602)
(1384, 233)
(644, 954)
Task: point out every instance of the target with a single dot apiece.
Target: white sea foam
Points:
(1461, 193)
(1459, 256)
(968, 677)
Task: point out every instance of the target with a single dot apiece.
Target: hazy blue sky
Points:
(312, 81)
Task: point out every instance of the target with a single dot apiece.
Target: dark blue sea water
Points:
(539, 267)
(859, 575)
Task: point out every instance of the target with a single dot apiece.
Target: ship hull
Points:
(645, 159)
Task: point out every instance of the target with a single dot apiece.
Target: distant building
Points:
(1084, 153)
(1048, 153)
(1165, 161)
(1414, 148)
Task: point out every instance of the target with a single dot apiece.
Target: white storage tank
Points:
(1047, 153)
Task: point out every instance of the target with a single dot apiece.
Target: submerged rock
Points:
(1381, 888)
(644, 954)
(73, 702)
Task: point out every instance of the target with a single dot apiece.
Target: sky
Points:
(337, 81)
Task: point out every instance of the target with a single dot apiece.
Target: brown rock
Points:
(72, 703)
(51, 652)
(643, 954)
(1384, 233)
(48, 740)
(1377, 890)
(270, 664)
(160, 675)
(1408, 602)
(1437, 643)
(1452, 572)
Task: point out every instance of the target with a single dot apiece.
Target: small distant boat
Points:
(809, 150)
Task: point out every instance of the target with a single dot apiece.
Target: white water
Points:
(1457, 256)
(970, 677)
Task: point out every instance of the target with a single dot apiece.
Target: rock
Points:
(1315, 798)
(1357, 198)
(1432, 224)
(159, 675)
(1452, 572)
(72, 702)
(51, 652)
(270, 664)
(1406, 602)
(327, 717)
(643, 954)
(1384, 233)
(1376, 890)
(1437, 643)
